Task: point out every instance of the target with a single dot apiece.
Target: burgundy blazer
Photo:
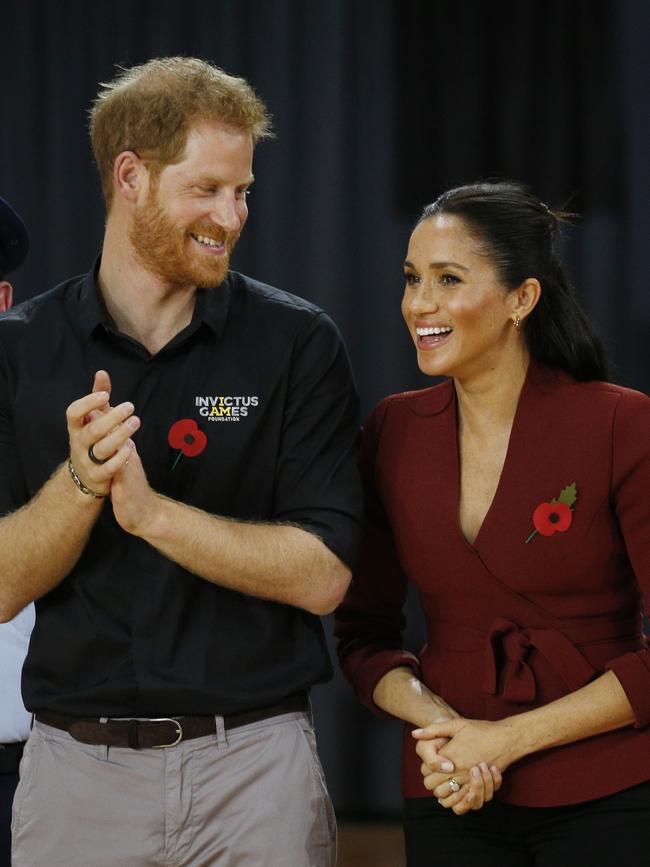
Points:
(512, 625)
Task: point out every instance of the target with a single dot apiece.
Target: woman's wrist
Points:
(400, 693)
(518, 735)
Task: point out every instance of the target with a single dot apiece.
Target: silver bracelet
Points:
(83, 488)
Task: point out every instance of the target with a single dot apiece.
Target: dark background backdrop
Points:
(378, 106)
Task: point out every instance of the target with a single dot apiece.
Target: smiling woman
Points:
(456, 309)
(534, 686)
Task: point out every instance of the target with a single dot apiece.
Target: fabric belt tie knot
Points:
(506, 667)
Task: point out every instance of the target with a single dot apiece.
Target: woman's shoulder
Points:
(399, 415)
(612, 389)
(424, 401)
(590, 397)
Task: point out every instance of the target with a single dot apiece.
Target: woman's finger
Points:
(453, 799)
(428, 752)
(488, 783)
(466, 803)
(448, 787)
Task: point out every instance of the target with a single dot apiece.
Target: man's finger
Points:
(107, 422)
(102, 381)
(108, 445)
(79, 409)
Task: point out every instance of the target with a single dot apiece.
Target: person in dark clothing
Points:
(178, 448)
(14, 635)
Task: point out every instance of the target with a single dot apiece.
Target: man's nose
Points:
(226, 212)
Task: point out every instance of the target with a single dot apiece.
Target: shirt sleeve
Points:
(631, 493)
(317, 480)
(13, 490)
(370, 621)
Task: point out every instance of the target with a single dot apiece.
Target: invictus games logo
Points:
(223, 407)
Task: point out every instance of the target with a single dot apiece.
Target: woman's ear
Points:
(525, 298)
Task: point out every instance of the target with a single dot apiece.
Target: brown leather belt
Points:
(163, 731)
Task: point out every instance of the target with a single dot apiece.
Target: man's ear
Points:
(129, 176)
(6, 295)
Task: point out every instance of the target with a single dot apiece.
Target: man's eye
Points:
(243, 194)
(209, 191)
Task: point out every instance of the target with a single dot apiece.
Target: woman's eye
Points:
(449, 279)
(411, 279)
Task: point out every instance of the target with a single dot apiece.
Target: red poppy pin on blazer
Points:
(556, 516)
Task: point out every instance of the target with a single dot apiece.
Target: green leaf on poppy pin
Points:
(568, 495)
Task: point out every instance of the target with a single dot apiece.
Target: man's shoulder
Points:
(43, 308)
(270, 297)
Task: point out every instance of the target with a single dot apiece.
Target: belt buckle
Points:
(179, 732)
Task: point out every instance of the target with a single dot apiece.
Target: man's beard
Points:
(165, 249)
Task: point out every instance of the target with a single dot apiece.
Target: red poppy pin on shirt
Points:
(556, 516)
(186, 436)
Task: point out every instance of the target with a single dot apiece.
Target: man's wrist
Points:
(152, 524)
(73, 491)
(88, 492)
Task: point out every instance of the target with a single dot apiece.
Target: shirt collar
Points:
(211, 305)
(91, 310)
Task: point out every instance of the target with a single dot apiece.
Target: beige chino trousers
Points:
(254, 796)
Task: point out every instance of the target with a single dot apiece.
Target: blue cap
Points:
(14, 240)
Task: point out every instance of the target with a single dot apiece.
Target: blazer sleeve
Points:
(370, 622)
(631, 496)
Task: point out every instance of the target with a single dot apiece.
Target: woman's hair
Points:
(517, 232)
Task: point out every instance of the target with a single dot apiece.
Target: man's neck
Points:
(139, 302)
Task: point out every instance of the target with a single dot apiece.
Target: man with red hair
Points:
(179, 447)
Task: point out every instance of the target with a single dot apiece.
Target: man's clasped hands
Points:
(105, 457)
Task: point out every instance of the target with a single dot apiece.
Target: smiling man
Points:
(178, 558)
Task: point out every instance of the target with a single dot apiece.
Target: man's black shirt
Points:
(266, 378)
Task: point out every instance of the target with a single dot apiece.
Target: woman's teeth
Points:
(426, 332)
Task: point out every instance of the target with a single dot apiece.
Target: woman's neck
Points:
(488, 400)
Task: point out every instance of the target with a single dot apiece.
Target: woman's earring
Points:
(517, 323)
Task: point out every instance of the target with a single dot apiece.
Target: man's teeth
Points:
(427, 332)
(203, 239)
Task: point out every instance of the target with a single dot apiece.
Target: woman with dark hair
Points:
(515, 496)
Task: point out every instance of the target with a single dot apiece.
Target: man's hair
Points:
(149, 109)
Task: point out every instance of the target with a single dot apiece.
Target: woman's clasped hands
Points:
(463, 759)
